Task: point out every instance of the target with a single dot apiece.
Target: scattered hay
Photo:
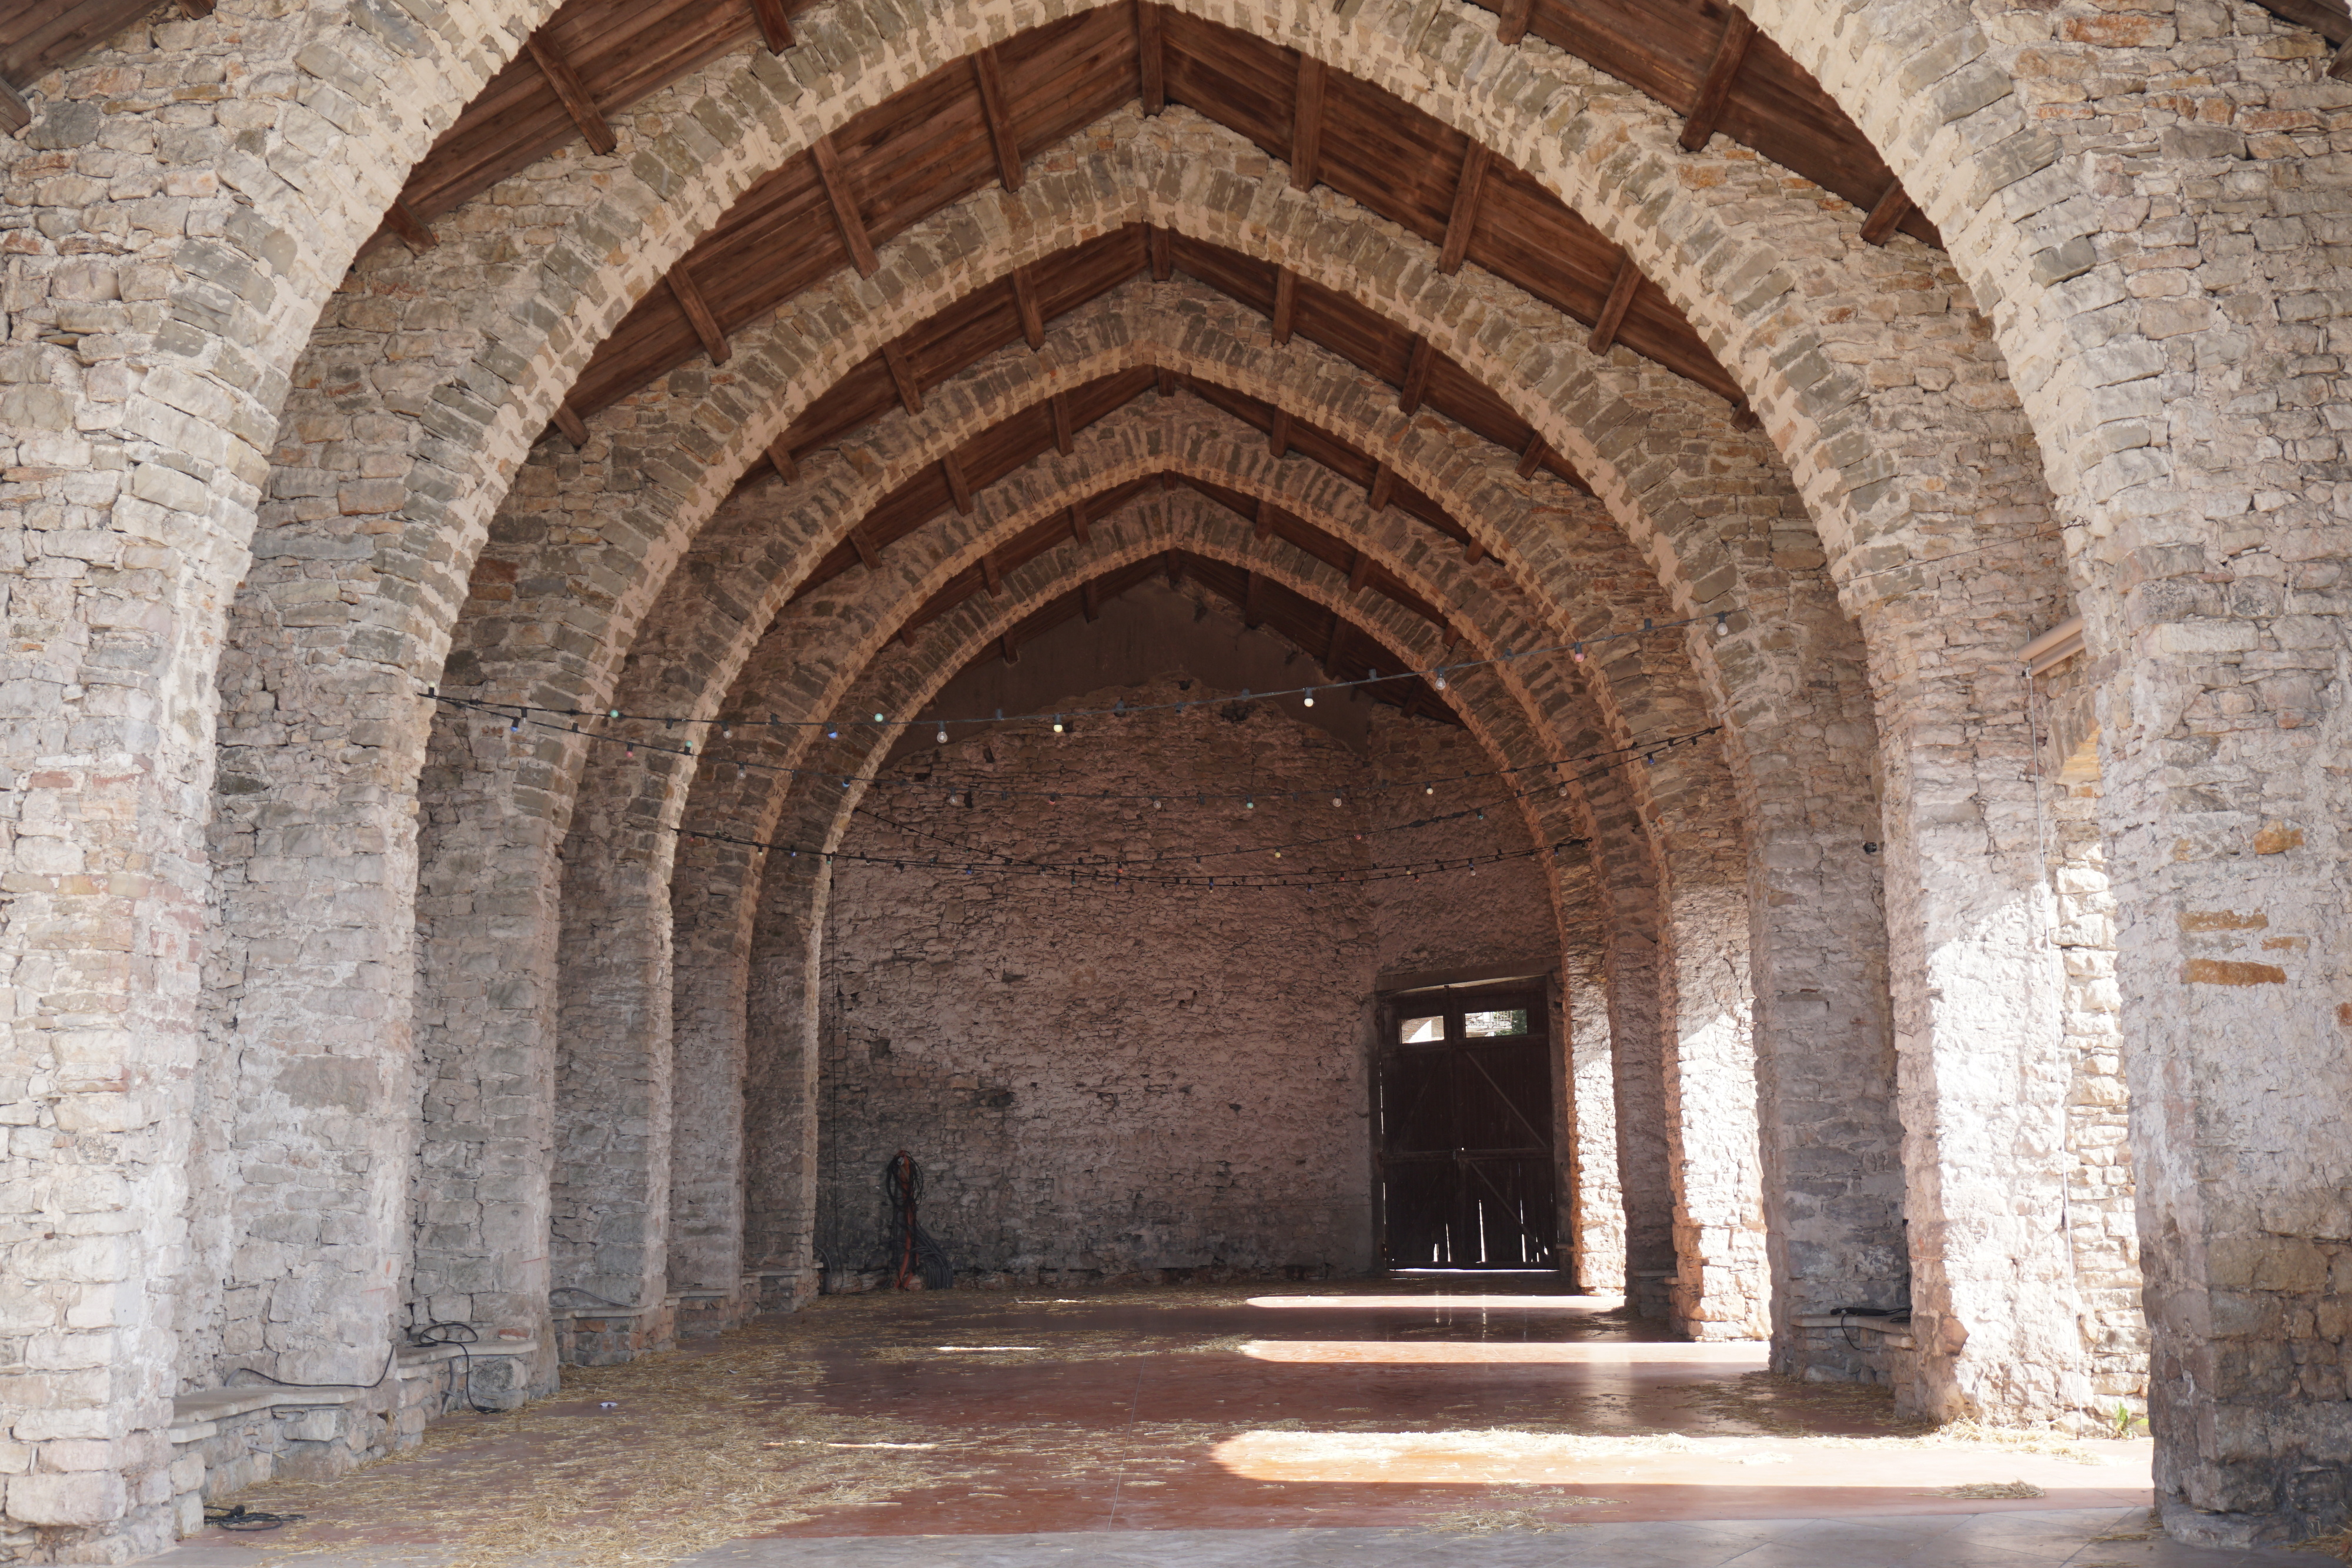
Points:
(1990, 1492)
(2150, 1528)
(1520, 1519)
(2337, 1545)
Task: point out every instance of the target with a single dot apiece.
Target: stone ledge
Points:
(1895, 1336)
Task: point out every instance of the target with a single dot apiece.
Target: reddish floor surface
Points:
(1399, 1403)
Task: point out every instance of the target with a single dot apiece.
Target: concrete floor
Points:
(1375, 1424)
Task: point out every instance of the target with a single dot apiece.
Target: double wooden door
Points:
(1463, 1108)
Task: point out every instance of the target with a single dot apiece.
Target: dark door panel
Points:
(1463, 1103)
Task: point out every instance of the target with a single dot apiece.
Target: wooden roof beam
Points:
(992, 576)
(1285, 302)
(1065, 436)
(401, 219)
(1416, 376)
(993, 108)
(1464, 215)
(779, 458)
(1613, 309)
(1151, 75)
(775, 27)
(1511, 23)
(1164, 381)
(1024, 299)
(1887, 213)
(1008, 648)
(1253, 613)
(1532, 455)
(1331, 644)
(1307, 124)
(866, 553)
(1277, 437)
(1715, 87)
(845, 206)
(958, 486)
(1360, 573)
(902, 376)
(698, 312)
(1383, 482)
(1472, 552)
(574, 428)
(1264, 527)
(1078, 524)
(1163, 255)
(15, 112)
(1090, 600)
(574, 93)
(1175, 569)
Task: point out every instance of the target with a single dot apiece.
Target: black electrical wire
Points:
(440, 1333)
(389, 1357)
(243, 1518)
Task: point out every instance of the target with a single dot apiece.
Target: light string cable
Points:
(1436, 675)
(1113, 871)
(979, 789)
(1647, 754)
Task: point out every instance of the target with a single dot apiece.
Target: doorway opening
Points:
(1463, 1130)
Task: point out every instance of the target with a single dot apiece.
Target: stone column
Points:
(1596, 1206)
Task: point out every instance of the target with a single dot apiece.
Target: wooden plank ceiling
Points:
(36, 36)
(948, 135)
(1341, 649)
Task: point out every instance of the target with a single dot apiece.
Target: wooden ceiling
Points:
(973, 121)
(1021, 306)
(1016, 442)
(38, 35)
(1342, 650)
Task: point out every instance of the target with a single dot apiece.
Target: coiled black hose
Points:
(913, 1252)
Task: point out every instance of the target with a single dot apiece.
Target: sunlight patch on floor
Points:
(1738, 1355)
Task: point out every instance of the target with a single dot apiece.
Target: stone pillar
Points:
(1595, 1211)
(1708, 1057)
(609, 1208)
(712, 888)
(781, 1095)
(487, 903)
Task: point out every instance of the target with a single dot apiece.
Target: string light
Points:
(1310, 697)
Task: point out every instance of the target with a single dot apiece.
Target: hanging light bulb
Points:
(1057, 724)
(612, 713)
(726, 732)
(1440, 677)
(943, 734)
(1335, 800)
(1250, 805)
(1429, 788)
(831, 733)
(1311, 696)
(1578, 652)
(1722, 625)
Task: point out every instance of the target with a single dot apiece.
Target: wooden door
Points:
(1464, 1110)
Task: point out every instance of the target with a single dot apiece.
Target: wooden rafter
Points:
(866, 553)
(1473, 552)
(1332, 644)
(698, 312)
(1078, 529)
(775, 26)
(1891, 208)
(1151, 73)
(1164, 381)
(779, 458)
(2340, 65)
(990, 575)
(1285, 302)
(1065, 439)
(1360, 574)
(1008, 648)
(568, 420)
(1163, 257)
(1307, 124)
(1264, 528)
(1252, 616)
(572, 92)
(959, 487)
(1090, 600)
(1531, 457)
(1025, 300)
(1464, 215)
(1722, 71)
(989, 78)
(1511, 21)
(414, 231)
(15, 112)
(902, 376)
(1383, 487)
(1175, 569)
(1612, 310)
(845, 206)
(1278, 435)
(1416, 376)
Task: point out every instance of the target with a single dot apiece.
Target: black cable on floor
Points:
(243, 1518)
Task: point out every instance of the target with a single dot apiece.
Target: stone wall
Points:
(1109, 1078)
